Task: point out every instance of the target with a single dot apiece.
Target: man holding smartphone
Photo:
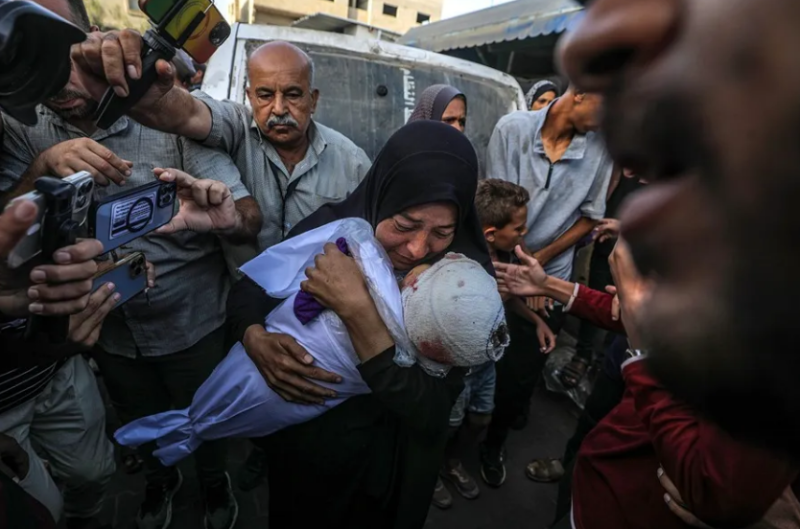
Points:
(155, 350)
(42, 384)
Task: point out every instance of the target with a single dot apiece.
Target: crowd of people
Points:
(691, 421)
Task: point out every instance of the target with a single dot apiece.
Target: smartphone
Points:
(129, 276)
(124, 217)
(206, 27)
(31, 244)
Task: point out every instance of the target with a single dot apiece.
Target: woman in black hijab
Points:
(371, 462)
(444, 103)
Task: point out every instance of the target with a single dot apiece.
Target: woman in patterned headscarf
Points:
(443, 103)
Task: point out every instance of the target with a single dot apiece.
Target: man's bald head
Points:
(281, 92)
(281, 56)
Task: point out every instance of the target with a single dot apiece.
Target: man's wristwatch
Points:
(635, 353)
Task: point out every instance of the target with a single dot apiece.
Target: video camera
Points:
(34, 57)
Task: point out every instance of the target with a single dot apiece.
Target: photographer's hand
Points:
(82, 154)
(207, 206)
(85, 326)
(63, 288)
(14, 223)
(104, 59)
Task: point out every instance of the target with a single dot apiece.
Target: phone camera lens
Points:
(219, 34)
(82, 201)
(86, 188)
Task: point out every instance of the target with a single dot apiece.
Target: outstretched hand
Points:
(526, 279)
(606, 229)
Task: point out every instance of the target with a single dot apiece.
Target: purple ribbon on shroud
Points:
(306, 308)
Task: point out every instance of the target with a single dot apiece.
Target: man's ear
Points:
(578, 98)
(314, 100)
(92, 29)
(490, 233)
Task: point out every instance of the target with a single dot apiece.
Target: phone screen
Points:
(209, 35)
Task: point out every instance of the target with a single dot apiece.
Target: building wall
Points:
(407, 12)
(283, 13)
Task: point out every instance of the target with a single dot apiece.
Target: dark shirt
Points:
(26, 367)
(369, 463)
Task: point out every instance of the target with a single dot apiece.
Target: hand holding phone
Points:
(194, 25)
(124, 217)
(129, 276)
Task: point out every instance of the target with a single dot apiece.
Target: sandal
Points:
(545, 470)
(573, 372)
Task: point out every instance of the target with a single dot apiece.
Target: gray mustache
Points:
(286, 120)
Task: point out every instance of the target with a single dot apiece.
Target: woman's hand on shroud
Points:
(286, 367)
(337, 283)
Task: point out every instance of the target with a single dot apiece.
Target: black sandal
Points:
(573, 372)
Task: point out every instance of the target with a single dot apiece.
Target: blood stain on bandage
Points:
(435, 351)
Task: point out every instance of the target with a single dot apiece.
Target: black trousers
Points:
(605, 396)
(517, 374)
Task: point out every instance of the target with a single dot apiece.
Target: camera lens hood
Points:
(34, 56)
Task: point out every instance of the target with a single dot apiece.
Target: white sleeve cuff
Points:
(572, 298)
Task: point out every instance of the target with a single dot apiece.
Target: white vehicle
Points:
(368, 88)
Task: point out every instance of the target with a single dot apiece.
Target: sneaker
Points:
(441, 496)
(156, 509)
(252, 473)
(221, 507)
(493, 468)
(463, 482)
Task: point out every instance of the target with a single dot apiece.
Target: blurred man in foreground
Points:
(719, 226)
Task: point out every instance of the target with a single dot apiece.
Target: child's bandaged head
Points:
(454, 314)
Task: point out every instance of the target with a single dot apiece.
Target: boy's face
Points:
(505, 239)
(413, 276)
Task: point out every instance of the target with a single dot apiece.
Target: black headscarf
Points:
(422, 163)
(434, 102)
(536, 91)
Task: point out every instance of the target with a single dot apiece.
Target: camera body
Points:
(31, 245)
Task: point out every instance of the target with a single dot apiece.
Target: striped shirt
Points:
(192, 282)
(18, 386)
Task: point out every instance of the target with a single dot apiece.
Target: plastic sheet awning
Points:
(520, 20)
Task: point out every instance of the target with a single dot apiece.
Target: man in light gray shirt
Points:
(289, 163)
(556, 156)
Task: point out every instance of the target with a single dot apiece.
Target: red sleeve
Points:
(595, 307)
(724, 482)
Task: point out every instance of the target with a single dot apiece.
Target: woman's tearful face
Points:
(417, 233)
